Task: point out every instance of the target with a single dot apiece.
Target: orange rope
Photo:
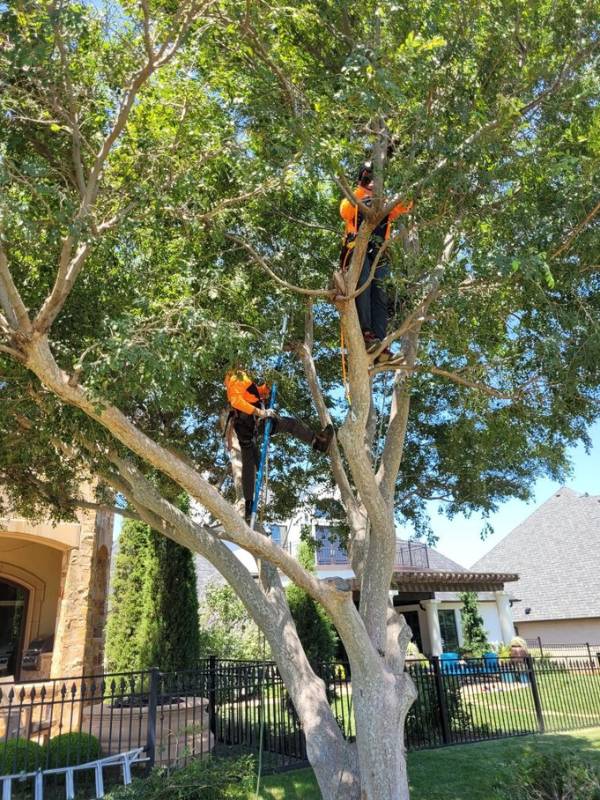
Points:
(344, 373)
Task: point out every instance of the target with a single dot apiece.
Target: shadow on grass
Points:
(481, 771)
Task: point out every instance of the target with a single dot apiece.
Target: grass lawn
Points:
(465, 772)
(569, 700)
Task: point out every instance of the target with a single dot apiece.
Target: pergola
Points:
(413, 585)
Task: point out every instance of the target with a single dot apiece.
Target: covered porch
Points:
(428, 599)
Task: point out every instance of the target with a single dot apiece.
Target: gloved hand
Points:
(266, 413)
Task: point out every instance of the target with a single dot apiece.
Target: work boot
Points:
(322, 441)
(385, 355)
(371, 341)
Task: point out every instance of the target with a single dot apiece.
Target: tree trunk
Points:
(381, 702)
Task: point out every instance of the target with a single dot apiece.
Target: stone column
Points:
(78, 634)
(505, 616)
(433, 626)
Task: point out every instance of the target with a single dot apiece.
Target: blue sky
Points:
(459, 538)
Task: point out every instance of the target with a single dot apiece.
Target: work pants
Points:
(372, 303)
(249, 429)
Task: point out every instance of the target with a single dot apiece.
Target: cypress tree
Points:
(474, 634)
(125, 609)
(154, 614)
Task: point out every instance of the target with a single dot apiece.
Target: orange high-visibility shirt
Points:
(350, 212)
(242, 393)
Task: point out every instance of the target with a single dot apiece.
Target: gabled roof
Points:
(438, 561)
(556, 552)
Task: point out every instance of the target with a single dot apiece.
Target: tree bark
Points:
(381, 702)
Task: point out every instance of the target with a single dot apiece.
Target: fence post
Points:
(589, 649)
(212, 696)
(539, 638)
(152, 705)
(536, 693)
(441, 698)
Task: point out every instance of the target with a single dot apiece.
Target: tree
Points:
(315, 630)
(154, 604)
(474, 634)
(170, 177)
(226, 629)
(127, 590)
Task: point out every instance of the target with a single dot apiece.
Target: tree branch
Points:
(73, 115)
(39, 360)
(489, 126)
(393, 449)
(455, 377)
(265, 266)
(305, 352)
(70, 266)
(14, 308)
(576, 231)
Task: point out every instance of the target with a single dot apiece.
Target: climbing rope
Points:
(262, 718)
(267, 431)
(261, 694)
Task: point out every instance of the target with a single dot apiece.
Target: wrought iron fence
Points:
(543, 649)
(55, 723)
(227, 707)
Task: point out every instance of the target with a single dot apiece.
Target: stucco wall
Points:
(67, 586)
(487, 609)
(39, 568)
(567, 631)
(491, 622)
(489, 614)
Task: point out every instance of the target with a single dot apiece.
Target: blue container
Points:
(449, 662)
(490, 662)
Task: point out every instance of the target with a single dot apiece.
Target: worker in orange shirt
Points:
(371, 304)
(247, 399)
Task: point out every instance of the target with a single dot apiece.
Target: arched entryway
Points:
(13, 616)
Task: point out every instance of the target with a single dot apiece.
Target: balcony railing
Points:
(409, 555)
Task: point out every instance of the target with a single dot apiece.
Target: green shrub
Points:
(202, 779)
(226, 629)
(315, 630)
(68, 749)
(424, 721)
(20, 755)
(474, 634)
(556, 776)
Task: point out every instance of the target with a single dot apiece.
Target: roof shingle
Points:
(556, 552)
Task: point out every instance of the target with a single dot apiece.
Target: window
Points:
(448, 629)
(276, 533)
(329, 552)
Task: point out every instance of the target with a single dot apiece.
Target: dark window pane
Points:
(448, 630)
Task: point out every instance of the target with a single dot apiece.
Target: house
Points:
(556, 552)
(425, 587)
(53, 589)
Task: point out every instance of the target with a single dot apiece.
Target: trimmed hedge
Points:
(20, 755)
(69, 749)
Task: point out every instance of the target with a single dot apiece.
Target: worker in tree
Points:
(372, 303)
(248, 414)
